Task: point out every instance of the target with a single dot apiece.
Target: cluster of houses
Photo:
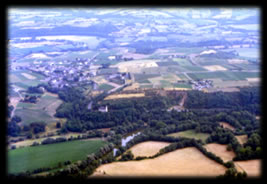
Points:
(65, 73)
(201, 84)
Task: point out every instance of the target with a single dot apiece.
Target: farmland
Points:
(29, 142)
(221, 151)
(159, 91)
(148, 148)
(182, 162)
(225, 76)
(30, 158)
(118, 96)
(45, 109)
(252, 167)
(242, 139)
(227, 126)
(190, 134)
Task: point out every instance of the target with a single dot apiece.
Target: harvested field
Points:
(214, 68)
(104, 129)
(148, 148)
(100, 80)
(221, 151)
(14, 101)
(134, 55)
(28, 76)
(136, 66)
(230, 89)
(178, 89)
(132, 87)
(237, 61)
(251, 167)
(242, 139)
(227, 126)
(117, 96)
(181, 162)
(255, 79)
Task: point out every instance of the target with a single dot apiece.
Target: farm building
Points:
(103, 109)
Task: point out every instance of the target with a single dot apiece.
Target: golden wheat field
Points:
(182, 162)
(148, 148)
(220, 151)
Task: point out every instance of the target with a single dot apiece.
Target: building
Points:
(103, 109)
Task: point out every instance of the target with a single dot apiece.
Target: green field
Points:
(44, 109)
(182, 62)
(187, 50)
(105, 71)
(226, 76)
(182, 76)
(30, 158)
(105, 87)
(142, 77)
(167, 63)
(182, 85)
(190, 134)
(19, 80)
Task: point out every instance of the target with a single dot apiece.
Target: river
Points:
(126, 139)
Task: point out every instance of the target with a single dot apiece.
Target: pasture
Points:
(24, 78)
(182, 85)
(44, 109)
(190, 134)
(105, 87)
(181, 162)
(30, 158)
(29, 142)
(224, 75)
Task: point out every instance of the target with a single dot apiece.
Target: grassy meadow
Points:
(30, 158)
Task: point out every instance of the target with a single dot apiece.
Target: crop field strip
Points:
(224, 75)
(30, 158)
(44, 108)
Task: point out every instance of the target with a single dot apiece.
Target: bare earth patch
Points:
(251, 167)
(214, 68)
(178, 89)
(134, 55)
(256, 79)
(182, 162)
(14, 101)
(148, 148)
(104, 129)
(242, 139)
(221, 151)
(237, 61)
(135, 66)
(28, 76)
(227, 126)
(117, 96)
